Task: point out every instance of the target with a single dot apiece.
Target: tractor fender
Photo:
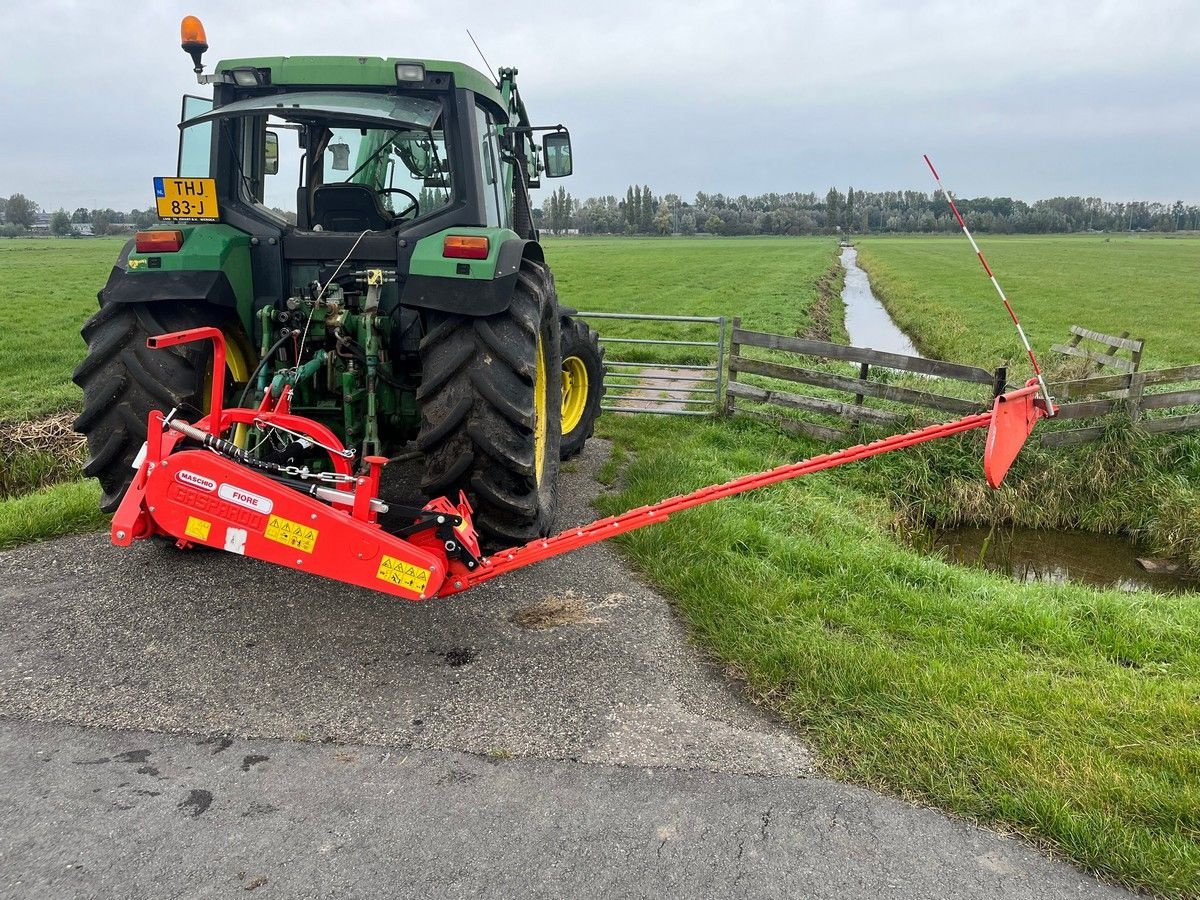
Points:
(147, 287)
(477, 295)
(212, 266)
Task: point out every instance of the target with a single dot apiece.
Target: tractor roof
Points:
(358, 70)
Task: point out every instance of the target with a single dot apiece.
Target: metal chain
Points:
(344, 454)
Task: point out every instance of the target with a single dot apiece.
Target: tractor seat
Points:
(349, 207)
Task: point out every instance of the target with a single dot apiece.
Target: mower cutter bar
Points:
(1010, 422)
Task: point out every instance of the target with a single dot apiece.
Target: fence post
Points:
(1133, 401)
(864, 370)
(735, 350)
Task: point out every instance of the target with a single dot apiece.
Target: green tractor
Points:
(360, 230)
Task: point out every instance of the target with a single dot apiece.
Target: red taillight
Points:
(461, 246)
(158, 241)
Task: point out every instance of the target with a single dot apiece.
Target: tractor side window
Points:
(489, 157)
(195, 142)
(278, 154)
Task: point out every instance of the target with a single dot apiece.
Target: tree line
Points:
(854, 212)
(19, 214)
(641, 211)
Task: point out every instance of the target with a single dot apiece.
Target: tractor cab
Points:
(358, 230)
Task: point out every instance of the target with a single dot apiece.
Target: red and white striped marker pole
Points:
(999, 290)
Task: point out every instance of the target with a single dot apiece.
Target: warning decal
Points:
(291, 534)
(197, 528)
(402, 574)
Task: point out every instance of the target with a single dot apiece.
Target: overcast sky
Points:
(1009, 97)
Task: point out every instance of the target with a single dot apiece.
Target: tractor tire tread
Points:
(477, 400)
(123, 380)
(578, 339)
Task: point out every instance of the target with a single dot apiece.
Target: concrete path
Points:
(197, 724)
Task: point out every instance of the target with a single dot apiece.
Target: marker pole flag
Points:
(1037, 371)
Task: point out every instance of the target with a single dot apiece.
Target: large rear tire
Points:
(123, 380)
(582, 384)
(490, 410)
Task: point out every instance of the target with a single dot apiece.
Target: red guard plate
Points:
(1013, 418)
(199, 497)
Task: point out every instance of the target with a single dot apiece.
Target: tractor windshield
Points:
(293, 150)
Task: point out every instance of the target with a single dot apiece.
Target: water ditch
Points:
(867, 321)
(1025, 555)
(1029, 555)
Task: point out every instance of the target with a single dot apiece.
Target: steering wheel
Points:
(413, 206)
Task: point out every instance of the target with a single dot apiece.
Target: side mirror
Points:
(556, 152)
(271, 150)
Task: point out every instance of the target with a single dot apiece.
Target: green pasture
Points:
(936, 291)
(773, 284)
(1064, 713)
(47, 290)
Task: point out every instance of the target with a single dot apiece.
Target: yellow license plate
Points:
(186, 199)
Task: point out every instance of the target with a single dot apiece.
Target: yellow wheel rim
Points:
(539, 413)
(574, 393)
(237, 364)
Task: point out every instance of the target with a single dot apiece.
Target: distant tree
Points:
(3, 205)
(60, 223)
(144, 218)
(101, 219)
(20, 211)
(558, 210)
(850, 223)
(687, 223)
(81, 216)
(714, 224)
(646, 223)
(833, 208)
(662, 219)
(558, 207)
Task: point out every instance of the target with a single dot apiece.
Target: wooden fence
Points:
(1084, 398)
(861, 387)
(1113, 344)
(1126, 394)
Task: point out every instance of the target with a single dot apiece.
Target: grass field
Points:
(788, 286)
(937, 291)
(47, 289)
(1065, 713)
(770, 282)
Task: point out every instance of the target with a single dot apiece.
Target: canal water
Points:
(1028, 555)
(867, 322)
(1024, 554)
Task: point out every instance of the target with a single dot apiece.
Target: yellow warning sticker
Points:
(291, 534)
(197, 528)
(402, 574)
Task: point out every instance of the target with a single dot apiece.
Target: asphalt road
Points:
(197, 724)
